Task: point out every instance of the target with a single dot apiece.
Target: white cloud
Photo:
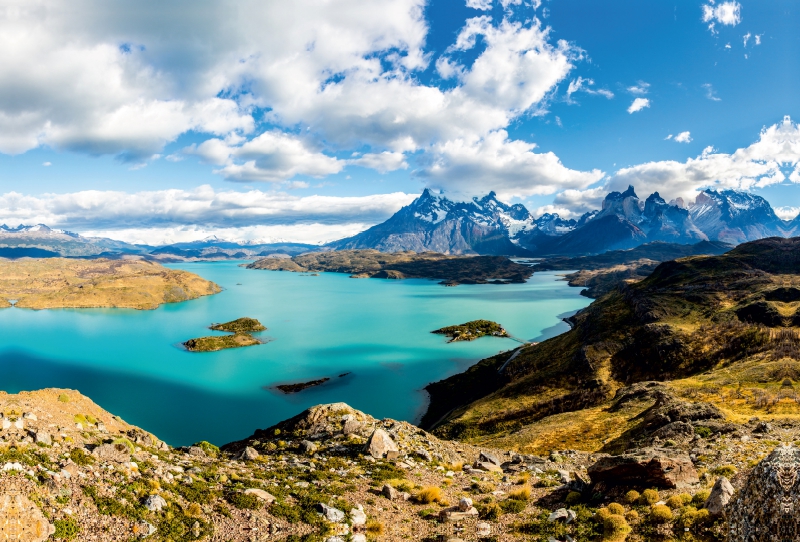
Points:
(463, 168)
(758, 39)
(585, 85)
(162, 210)
(383, 162)
(755, 166)
(580, 201)
(725, 13)
(47, 164)
(728, 46)
(668, 137)
(746, 38)
(683, 137)
(480, 4)
(710, 93)
(786, 213)
(638, 104)
(639, 89)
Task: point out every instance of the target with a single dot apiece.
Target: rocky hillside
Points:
(723, 323)
(72, 471)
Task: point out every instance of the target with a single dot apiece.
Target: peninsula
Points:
(451, 270)
(52, 283)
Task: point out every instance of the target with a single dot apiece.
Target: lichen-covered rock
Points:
(766, 507)
(720, 495)
(646, 467)
(379, 444)
(117, 453)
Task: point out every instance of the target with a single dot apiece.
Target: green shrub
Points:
(616, 509)
(632, 496)
(197, 491)
(66, 529)
(489, 512)
(80, 457)
(631, 516)
(512, 506)
(573, 497)
(245, 501)
(724, 470)
(703, 432)
(208, 448)
(649, 496)
(700, 497)
(615, 528)
(675, 502)
(63, 398)
(660, 514)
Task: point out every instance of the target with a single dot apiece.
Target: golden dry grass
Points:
(65, 283)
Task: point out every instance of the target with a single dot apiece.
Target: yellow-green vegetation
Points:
(660, 513)
(615, 528)
(451, 270)
(472, 330)
(649, 496)
(632, 496)
(428, 495)
(221, 342)
(240, 325)
(66, 283)
(616, 508)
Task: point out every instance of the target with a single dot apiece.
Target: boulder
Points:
(352, 427)
(559, 514)
(424, 454)
(196, 451)
(486, 466)
(457, 513)
(488, 457)
(763, 427)
(308, 447)
(464, 504)
(645, 467)
(43, 437)
(674, 431)
(358, 516)
(248, 454)
(154, 503)
(143, 529)
(334, 515)
(379, 444)
(29, 416)
(116, 453)
(390, 493)
(261, 494)
(720, 495)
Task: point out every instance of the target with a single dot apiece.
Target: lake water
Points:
(378, 331)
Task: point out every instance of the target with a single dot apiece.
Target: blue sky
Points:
(310, 121)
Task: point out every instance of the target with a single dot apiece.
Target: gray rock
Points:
(559, 514)
(646, 467)
(488, 457)
(358, 516)
(29, 416)
(308, 447)
(379, 444)
(720, 495)
(116, 453)
(763, 427)
(43, 437)
(571, 516)
(564, 476)
(154, 503)
(390, 493)
(424, 454)
(261, 494)
(196, 451)
(486, 466)
(464, 504)
(334, 515)
(352, 427)
(248, 454)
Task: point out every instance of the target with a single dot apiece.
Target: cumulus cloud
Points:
(480, 4)
(463, 168)
(638, 104)
(725, 13)
(382, 162)
(683, 137)
(786, 212)
(639, 89)
(96, 210)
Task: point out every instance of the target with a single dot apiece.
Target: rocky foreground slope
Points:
(71, 471)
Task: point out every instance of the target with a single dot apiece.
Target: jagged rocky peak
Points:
(624, 204)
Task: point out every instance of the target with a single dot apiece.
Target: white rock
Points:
(358, 517)
(261, 494)
(155, 503)
(720, 495)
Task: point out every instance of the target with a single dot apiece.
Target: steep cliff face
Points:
(737, 217)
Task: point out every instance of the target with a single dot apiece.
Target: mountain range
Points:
(488, 226)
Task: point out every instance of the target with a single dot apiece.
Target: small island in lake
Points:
(470, 331)
(241, 329)
(240, 325)
(300, 386)
(220, 342)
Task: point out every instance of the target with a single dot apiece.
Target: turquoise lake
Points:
(378, 331)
